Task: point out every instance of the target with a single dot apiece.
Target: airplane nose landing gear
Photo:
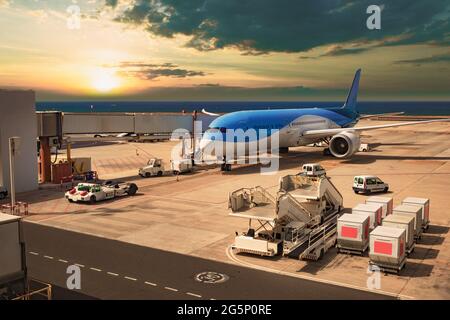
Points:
(225, 166)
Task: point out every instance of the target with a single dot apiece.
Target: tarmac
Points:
(189, 215)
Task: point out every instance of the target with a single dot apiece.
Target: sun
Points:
(104, 80)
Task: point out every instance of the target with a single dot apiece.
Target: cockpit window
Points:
(221, 129)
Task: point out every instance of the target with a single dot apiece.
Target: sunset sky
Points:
(224, 49)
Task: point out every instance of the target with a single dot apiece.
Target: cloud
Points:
(339, 50)
(209, 92)
(342, 51)
(111, 3)
(151, 71)
(261, 26)
(426, 60)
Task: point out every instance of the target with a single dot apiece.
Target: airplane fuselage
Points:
(260, 127)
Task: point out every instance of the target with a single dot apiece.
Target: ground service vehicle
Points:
(300, 222)
(313, 170)
(369, 184)
(156, 167)
(93, 192)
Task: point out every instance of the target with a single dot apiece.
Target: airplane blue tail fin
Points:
(349, 108)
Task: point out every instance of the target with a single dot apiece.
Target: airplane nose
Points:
(204, 143)
(202, 146)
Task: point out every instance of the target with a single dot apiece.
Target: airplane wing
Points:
(367, 116)
(330, 132)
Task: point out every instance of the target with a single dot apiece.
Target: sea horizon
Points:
(431, 108)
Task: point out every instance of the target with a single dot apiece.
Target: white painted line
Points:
(193, 294)
(113, 274)
(130, 278)
(95, 269)
(171, 289)
(151, 284)
(80, 265)
(34, 253)
(232, 257)
(63, 261)
(48, 257)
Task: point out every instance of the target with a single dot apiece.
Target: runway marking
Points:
(116, 275)
(193, 294)
(232, 257)
(113, 274)
(151, 284)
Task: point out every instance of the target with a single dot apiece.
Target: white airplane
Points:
(297, 127)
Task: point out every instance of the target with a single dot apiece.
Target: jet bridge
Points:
(54, 127)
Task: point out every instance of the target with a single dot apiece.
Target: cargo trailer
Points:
(405, 222)
(416, 212)
(387, 249)
(387, 202)
(353, 233)
(373, 209)
(425, 204)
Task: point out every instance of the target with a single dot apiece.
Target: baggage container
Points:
(411, 210)
(425, 204)
(388, 204)
(373, 209)
(387, 248)
(405, 222)
(353, 233)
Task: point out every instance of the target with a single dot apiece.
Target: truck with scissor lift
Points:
(300, 222)
(15, 284)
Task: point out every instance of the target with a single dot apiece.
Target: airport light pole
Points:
(14, 143)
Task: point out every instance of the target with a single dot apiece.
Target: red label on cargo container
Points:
(349, 232)
(382, 247)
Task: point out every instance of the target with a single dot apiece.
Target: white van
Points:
(313, 170)
(369, 184)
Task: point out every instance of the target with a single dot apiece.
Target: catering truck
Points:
(300, 222)
(15, 283)
(13, 271)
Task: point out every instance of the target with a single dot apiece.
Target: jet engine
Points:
(345, 144)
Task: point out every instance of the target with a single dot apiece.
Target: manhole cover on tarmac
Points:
(211, 277)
